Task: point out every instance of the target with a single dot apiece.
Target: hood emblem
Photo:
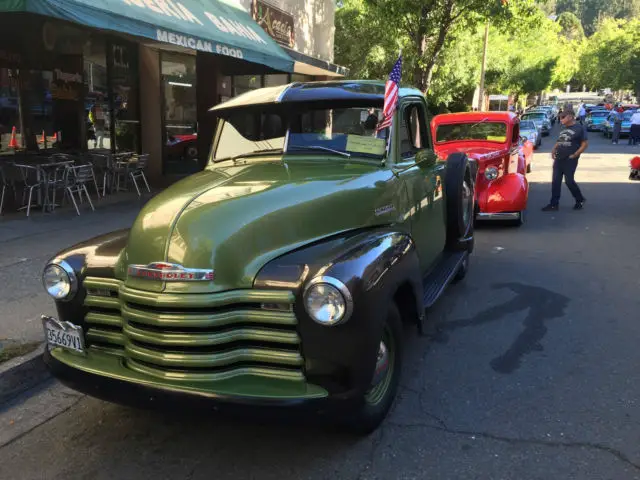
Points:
(170, 272)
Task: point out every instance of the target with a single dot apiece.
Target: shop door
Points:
(180, 114)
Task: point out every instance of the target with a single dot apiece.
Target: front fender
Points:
(373, 265)
(508, 193)
(97, 257)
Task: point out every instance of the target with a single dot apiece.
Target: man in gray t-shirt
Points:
(571, 142)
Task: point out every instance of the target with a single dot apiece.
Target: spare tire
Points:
(459, 194)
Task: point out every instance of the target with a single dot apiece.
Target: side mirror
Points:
(523, 139)
(426, 157)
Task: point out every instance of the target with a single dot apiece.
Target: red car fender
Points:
(508, 193)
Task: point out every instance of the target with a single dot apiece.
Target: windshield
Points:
(533, 116)
(527, 125)
(340, 131)
(489, 131)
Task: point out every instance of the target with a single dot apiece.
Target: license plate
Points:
(63, 334)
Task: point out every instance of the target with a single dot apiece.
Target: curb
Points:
(21, 374)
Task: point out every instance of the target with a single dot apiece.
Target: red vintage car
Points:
(504, 159)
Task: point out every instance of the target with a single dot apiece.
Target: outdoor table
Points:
(43, 172)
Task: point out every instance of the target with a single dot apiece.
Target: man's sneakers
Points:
(579, 205)
(550, 208)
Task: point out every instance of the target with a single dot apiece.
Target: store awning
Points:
(216, 26)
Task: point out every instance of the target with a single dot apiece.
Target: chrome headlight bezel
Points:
(68, 275)
(491, 173)
(338, 287)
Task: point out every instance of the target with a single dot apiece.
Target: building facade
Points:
(141, 75)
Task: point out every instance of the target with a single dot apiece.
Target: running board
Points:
(436, 281)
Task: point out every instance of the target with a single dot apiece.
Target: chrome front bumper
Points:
(498, 216)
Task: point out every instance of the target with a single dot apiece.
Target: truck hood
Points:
(235, 218)
(481, 151)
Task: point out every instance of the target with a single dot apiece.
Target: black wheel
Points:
(191, 152)
(375, 404)
(459, 194)
(529, 168)
(462, 270)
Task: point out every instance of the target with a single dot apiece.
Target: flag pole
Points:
(391, 126)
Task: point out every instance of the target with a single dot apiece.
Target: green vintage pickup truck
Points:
(283, 273)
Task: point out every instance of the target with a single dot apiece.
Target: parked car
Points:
(551, 113)
(532, 131)
(594, 121)
(281, 274)
(493, 140)
(634, 165)
(607, 128)
(539, 117)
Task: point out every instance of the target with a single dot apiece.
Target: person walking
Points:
(571, 142)
(582, 113)
(617, 126)
(634, 131)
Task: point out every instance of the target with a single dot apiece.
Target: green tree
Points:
(570, 25)
(612, 55)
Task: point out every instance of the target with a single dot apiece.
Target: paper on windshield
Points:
(496, 138)
(370, 145)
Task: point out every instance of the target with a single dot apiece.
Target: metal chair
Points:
(4, 183)
(102, 165)
(31, 179)
(138, 171)
(76, 179)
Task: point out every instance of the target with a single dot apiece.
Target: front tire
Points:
(375, 404)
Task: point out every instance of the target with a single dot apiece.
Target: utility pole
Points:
(484, 68)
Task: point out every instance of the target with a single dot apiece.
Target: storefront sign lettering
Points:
(68, 77)
(10, 56)
(177, 10)
(184, 41)
(277, 23)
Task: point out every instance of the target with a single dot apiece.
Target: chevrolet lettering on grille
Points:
(170, 272)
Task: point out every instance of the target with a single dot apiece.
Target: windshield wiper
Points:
(250, 154)
(318, 147)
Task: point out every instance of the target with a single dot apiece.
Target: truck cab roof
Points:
(370, 91)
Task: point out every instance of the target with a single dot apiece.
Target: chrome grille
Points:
(196, 337)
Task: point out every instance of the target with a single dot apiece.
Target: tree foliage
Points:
(530, 49)
(612, 57)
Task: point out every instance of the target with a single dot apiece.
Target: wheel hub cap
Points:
(382, 364)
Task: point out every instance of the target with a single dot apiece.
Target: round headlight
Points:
(491, 173)
(59, 280)
(328, 301)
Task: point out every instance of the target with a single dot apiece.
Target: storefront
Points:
(131, 75)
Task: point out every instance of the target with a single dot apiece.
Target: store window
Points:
(123, 70)
(246, 83)
(275, 80)
(9, 110)
(97, 116)
(180, 113)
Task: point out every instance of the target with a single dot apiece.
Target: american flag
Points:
(391, 94)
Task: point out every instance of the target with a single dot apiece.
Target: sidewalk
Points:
(27, 243)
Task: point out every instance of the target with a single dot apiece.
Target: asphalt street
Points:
(529, 372)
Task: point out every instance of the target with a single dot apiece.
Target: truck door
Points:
(423, 179)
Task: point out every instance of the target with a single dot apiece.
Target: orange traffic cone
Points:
(55, 137)
(13, 143)
(43, 139)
